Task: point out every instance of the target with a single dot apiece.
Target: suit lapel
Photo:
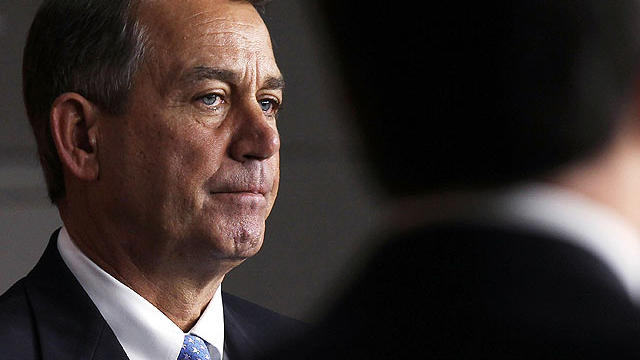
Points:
(68, 323)
(238, 342)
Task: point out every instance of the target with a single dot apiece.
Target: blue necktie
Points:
(194, 348)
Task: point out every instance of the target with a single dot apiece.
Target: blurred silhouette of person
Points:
(507, 137)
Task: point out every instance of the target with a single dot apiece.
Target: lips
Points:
(251, 179)
(239, 192)
(240, 189)
(253, 198)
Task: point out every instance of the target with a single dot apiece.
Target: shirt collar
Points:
(144, 332)
(577, 219)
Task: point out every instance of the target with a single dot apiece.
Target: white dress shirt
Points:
(577, 219)
(144, 332)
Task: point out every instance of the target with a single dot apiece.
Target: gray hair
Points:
(91, 47)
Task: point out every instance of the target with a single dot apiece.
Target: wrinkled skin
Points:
(192, 169)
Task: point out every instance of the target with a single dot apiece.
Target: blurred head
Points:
(468, 95)
(180, 147)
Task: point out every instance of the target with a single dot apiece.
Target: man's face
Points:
(193, 167)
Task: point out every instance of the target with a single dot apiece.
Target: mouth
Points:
(245, 191)
(241, 187)
(253, 196)
(239, 193)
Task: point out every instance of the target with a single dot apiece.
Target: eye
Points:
(269, 106)
(211, 100)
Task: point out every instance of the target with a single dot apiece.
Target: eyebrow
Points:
(273, 83)
(200, 73)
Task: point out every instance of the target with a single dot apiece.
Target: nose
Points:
(256, 136)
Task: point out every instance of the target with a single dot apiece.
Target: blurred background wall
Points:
(327, 206)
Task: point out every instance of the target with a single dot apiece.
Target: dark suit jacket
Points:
(470, 291)
(47, 315)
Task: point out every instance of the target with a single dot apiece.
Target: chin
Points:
(246, 250)
(247, 242)
(237, 240)
(230, 230)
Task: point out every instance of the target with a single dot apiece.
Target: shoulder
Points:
(251, 329)
(257, 315)
(491, 269)
(494, 250)
(13, 305)
(17, 329)
(485, 289)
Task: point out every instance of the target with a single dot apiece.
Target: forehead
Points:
(222, 33)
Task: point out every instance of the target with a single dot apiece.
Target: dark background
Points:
(327, 207)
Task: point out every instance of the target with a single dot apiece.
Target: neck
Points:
(180, 289)
(610, 179)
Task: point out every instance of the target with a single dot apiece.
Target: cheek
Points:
(276, 172)
(173, 158)
(199, 155)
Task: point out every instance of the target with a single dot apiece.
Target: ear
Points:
(73, 121)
